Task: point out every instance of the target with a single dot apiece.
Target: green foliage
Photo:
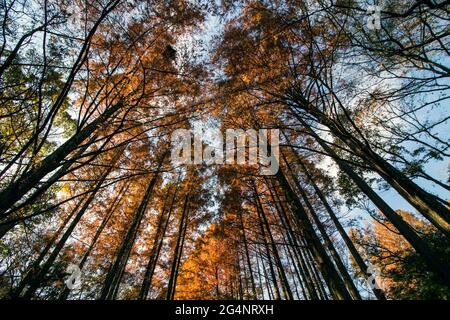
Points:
(412, 279)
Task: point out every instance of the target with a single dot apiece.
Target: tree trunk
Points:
(177, 270)
(178, 250)
(260, 276)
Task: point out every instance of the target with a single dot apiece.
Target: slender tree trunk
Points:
(334, 254)
(247, 255)
(301, 271)
(266, 245)
(266, 275)
(294, 271)
(261, 288)
(177, 250)
(288, 243)
(244, 269)
(216, 274)
(154, 247)
(238, 272)
(177, 270)
(316, 275)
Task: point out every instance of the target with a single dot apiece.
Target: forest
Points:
(354, 94)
